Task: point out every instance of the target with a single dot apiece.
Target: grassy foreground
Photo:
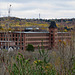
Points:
(40, 62)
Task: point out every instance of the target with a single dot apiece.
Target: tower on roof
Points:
(52, 24)
(53, 34)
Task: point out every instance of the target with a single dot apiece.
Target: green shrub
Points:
(30, 47)
(23, 66)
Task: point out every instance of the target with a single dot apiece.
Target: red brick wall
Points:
(53, 37)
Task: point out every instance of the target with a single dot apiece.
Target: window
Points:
(16, 39)
(22, 35)
(10, 35)
(19, 35)
(13, 35)
(4, 35)
(1, 35)
(51, 42)
(16, 35)
(19, 43)
(51, 35)
(22, 43)
(13, 39)
(51, 39)
(22, 48)
(1, 38)
(19, 39)
(22, 39)
(16, 43)
(4, 38)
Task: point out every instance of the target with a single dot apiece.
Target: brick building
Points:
(22, 39)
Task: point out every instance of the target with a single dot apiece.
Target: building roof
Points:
(31, 32)
(39, 32)
(52, 24)
(63, 32)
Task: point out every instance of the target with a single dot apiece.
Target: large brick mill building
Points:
(22, 39)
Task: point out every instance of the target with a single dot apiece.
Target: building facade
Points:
(22, 39)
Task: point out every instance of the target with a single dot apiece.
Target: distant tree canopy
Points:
(18, 22)
(0, 27)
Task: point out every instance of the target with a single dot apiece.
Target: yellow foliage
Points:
(67, 21)
(39, 60)
(2, 28)
(64, 42)
(65, 30)
(35, 62)
(9, 29)
(57, 25)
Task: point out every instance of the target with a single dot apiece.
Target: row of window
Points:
(14, 39)
(17, 35)
(37, 39)
(11, 35)
(64, 34)
(64, 38)
(19, 43)
(22, 48)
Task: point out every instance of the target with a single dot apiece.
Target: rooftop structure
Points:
(53, 25)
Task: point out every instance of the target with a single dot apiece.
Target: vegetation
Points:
(30, 47)
(0, 27)
(38, 67)
(17, 23)
(39, 62)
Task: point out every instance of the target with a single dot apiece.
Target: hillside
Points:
(15, 22)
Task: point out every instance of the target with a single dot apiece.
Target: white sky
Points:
(48, 9)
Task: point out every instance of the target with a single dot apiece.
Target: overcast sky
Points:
(48, 9)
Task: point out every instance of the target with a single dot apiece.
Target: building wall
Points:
(64, 36)
(53, 37)
(22, 39)
(36, 39)
(18, 38)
